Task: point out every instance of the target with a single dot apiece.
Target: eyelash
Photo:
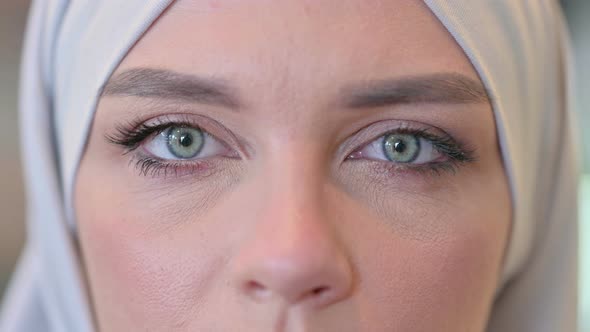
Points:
(131, 136)
(456, 152)
(153, 167)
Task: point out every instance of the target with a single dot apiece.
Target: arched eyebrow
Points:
(438, 88)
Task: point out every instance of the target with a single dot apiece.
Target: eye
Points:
(400, 148)
(184, 143)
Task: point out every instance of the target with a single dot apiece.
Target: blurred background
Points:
(12, 21)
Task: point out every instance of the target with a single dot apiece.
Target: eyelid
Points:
(373, 131)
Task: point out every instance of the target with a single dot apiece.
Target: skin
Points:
(289, 234)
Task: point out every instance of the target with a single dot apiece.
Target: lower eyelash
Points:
(148, 166)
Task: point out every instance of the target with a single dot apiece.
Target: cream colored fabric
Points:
(520, 50)
(518, 47)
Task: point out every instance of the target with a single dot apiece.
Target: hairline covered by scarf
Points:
(518, 48)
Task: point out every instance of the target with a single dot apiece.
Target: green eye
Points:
(184, 142)
(401, 148)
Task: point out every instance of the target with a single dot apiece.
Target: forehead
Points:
(298, 41)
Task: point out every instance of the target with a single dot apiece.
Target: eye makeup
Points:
(134, 136)
(447, 153)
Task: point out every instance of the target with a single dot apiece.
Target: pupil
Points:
(186, 140)
(399, 146)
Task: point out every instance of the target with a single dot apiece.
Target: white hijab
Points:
(518, 47)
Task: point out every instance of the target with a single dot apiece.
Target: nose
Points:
(293, 255)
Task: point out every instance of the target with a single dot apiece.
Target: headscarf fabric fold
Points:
(519, 49)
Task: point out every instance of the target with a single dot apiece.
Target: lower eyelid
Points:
(153, 167)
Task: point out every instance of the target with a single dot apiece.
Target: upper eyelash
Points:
(131, 139)
(132, 134)
(443, 143)
(449, 146)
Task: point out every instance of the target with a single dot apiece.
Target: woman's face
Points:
(293, 166)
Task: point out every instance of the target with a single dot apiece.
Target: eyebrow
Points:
(166, 84)
(438, 88)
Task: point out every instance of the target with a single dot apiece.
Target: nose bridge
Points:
(293, 252)
(294, 178)
(297, 180)
(296, 212)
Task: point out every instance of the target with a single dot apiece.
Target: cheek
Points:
(141, 275)
(434, 286)
(431, 262)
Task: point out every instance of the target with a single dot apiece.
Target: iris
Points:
(184, 142)
(401, 148)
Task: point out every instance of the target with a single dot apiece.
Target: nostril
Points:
(255, 286)
(317, 294)
(319, 290)
(257, 290)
